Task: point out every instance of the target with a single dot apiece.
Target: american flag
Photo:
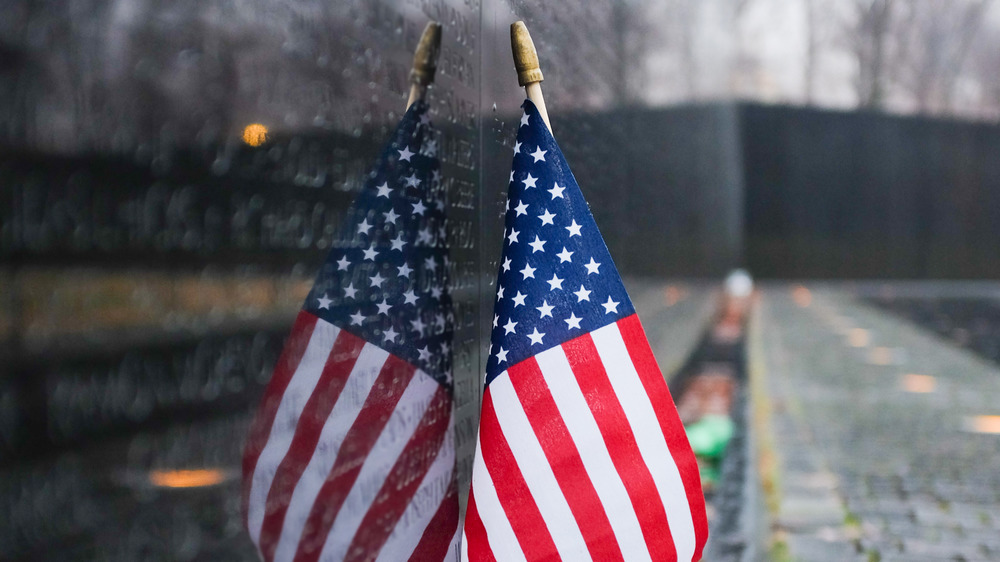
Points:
(351, 453)
(581, 453)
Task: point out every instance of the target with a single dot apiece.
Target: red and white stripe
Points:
(581, 455)
(351, 455)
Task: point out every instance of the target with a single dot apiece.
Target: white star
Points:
(424, 354)
(506, 264)
(411, 180)
(500, 292)
(528, 271)
(517, 148)
(349, 291)
(592, 266)
(524, 119)
(430, 264)
(404, 270)
(539, 154)
(377, 280)
(418, 325)
(357, 318)
(557, 191)
(508, 328)
(554, 283)
(342, 263)
(324, 302)
(545, 309)
(384, 190)
(546, 217)
(501, 355)
(574, 229)
(391, 216)
(390, 334)
(431, 148)
(398, 243)
(512, 237)
(370, 253)
(565, 255)
(405, 153)
(364, 227)
(436, 292)
(419, 207)
(495, 320)
(425, 119)
(383, 307)
(511, 177)
(536, 337)
(538, 245)
(521, 209)
(572, 321)
(410, 297)
(529, 181)
(519, 299)
(425, 237)
(582, 294)
(610, 306)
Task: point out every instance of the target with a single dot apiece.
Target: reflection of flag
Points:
(581, 453)
(351, 453)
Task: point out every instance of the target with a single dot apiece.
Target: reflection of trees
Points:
(120, 74)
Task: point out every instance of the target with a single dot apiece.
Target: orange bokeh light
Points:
(802, 296)
(983, 424)
(858, 337)
(922, 384)
(198, 478)
(672, 294)
(255, 134)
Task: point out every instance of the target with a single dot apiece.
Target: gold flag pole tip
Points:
(525, 55)
(424, 62)
(426, 55)
(529, 74)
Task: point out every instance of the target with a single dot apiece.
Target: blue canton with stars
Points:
(386, 279)
(556, 280)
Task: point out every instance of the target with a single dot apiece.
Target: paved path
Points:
(866, 427)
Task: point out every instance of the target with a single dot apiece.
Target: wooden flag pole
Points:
(529, 74)
(424, 62)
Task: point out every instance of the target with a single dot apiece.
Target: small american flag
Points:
(351, 454)
(581, 454)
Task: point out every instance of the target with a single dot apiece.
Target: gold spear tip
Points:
(525, 55)
(426, 55)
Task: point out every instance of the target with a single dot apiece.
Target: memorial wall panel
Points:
(852, 195)
(171, 175)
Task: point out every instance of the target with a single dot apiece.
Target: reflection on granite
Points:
(152, 259)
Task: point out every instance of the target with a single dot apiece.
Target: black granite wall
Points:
(151, 261)
(866, 195)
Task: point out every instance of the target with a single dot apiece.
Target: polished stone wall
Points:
(152, 259)
(854, 195)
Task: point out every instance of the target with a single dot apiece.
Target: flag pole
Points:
(424, 62)
(529, 74)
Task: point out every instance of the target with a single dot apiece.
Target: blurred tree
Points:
(934, 42)
(868, 42)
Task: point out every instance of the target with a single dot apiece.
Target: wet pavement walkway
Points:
(875, 437)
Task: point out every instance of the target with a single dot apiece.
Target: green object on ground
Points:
(710, 435)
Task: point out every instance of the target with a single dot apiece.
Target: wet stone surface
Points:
(877, 459)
